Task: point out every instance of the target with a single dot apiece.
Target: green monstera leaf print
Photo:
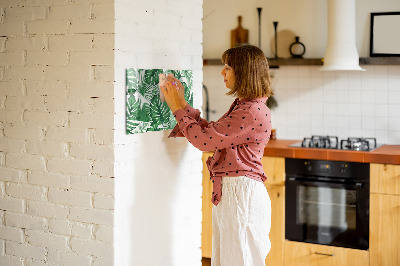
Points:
(144, 109)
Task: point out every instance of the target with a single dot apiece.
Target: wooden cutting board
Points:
(239, 35)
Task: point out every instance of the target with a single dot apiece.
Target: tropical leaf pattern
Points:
(144, 109)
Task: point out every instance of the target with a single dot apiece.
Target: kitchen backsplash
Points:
(314, 102)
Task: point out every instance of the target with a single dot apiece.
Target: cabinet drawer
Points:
(305, 254)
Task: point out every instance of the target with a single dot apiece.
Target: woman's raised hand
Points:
(174, 93)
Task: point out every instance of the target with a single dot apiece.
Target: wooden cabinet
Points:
(274, 168)
(206, 226)
(385, 215)
(304, 254)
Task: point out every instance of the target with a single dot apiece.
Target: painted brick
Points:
(91, 247)
(25, 103)
(103, 11)
(104, 73)
(24, 73)
(24, 132)
(45, 2)
(46, 118)
(60, 227)
(48, 179)
(69, 197)
(91, 89)
(12, 117)
(21, 43)
(12, 145)
(71, 43)
(193, 49)
(32, 262)
(44, 27)
(98, 120)
(64, 134)
(24, 13)
(11, 59)
(47, 240)
(105, 260)
(11, 88)
(25, 161)
(11, 233)
(46, 58)
(103, 41)
(11, 29)
(81, 73)
(92, 151)
(3, 44)
(94, 216)
(68, 258)
(25, 221)
(2, 158)
(11, 260)
(104, 233)
(56, 149)
(96, 105)
(12, 204)
(101, 136)
(104, 169)
(93, 184)
(46, 88)
(46, 209)
(25, 250)
(91, 26)
(25, 191)
(70, 166)
(103, 202)
(2, 214)
(82, 230)
(70, 12)
(56, 103)
(92, 58)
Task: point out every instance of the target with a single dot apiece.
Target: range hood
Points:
(341, 51)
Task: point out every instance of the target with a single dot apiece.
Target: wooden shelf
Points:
(380, 61)
(274, 63)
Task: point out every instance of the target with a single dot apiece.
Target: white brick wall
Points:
(56, 132)
(154, 181)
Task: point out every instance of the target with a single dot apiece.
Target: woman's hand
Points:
(181, 90)
(171, 94)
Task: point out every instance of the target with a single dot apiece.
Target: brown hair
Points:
(250, 66)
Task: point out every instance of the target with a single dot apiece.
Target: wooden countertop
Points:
(389, 154)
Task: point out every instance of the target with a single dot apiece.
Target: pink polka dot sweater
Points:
(238, 139)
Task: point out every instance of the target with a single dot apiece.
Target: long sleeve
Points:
(231, 130)
(193, 113)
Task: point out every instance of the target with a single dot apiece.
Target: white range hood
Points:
(341, 51)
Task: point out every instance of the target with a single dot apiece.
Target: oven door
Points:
(327, 213)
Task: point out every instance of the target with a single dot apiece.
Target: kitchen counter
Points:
(388, 154)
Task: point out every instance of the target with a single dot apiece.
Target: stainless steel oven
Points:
(327, 202)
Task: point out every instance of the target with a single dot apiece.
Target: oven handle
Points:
(357, 185)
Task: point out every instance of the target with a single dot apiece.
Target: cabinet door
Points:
(274, 168)
(277, 233)
(304, 254)
(384, 229)
(385, 178)
(206, 226)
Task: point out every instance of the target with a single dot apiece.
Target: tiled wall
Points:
(313, 102)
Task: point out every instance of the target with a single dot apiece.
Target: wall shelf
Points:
(274, 63)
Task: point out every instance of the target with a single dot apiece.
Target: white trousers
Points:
(241, 223)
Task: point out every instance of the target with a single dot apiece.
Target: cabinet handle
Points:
(324, 254)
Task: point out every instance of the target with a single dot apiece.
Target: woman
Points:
(242, 208)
